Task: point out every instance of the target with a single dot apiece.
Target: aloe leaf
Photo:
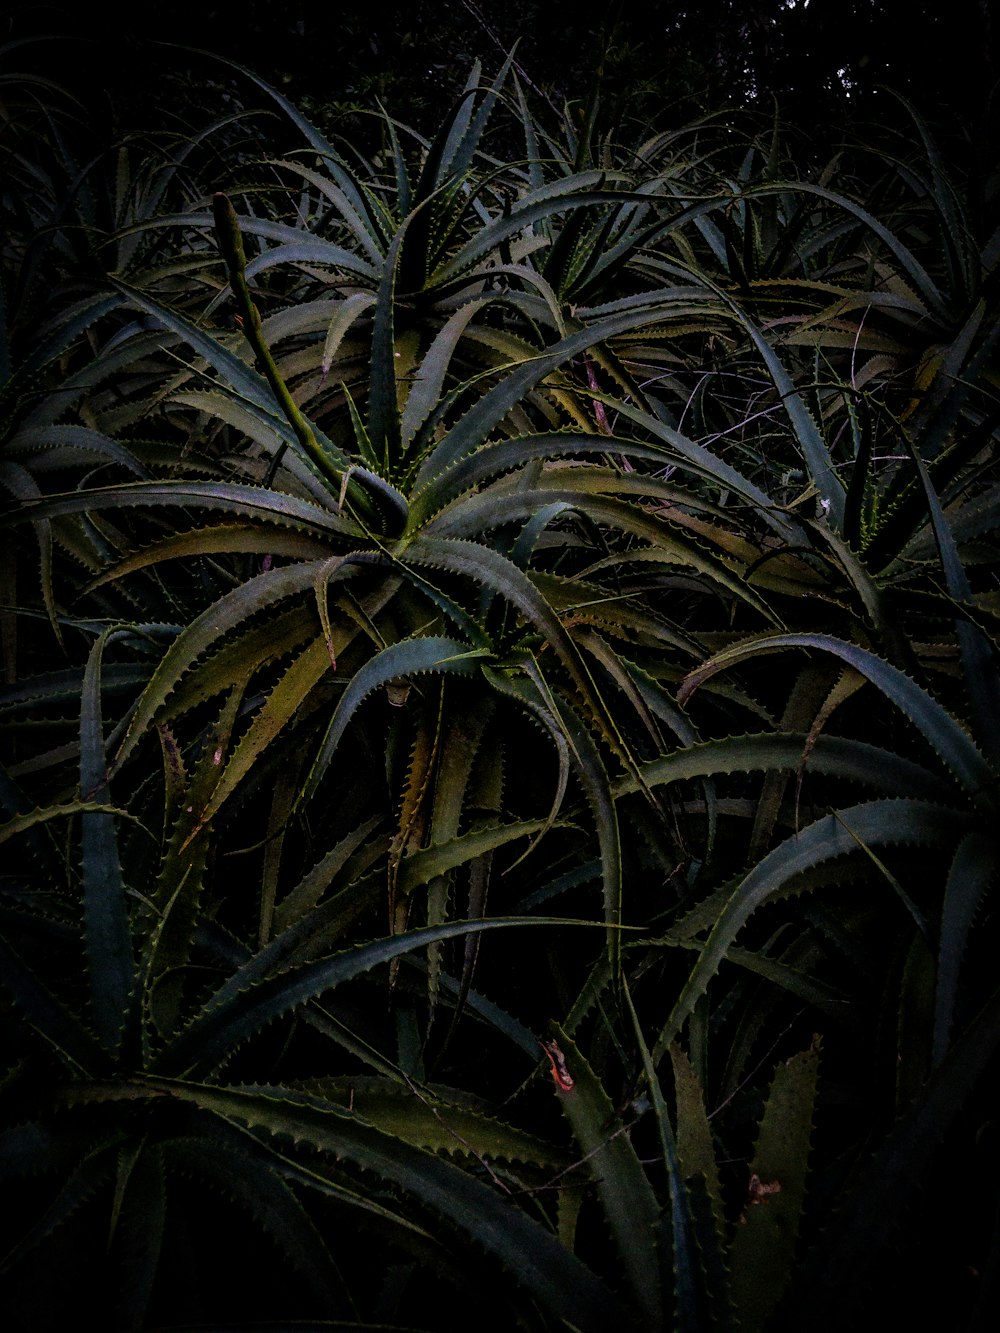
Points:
(954, 371)
(451, 608)
(301, 900)
(664, 545)
(422, 866)
(833, 755)
(558, 718)
(627, 1199)
(815, 992)
(21, 823)
(563, 252)
(275, 714)
(527, 540)
(450, 134)
(678, 506)
(970, 875)
(248, 383)
(558, 197)
(232, 662)
(696, 1156)
(437, 180)
(594, 779)
(346, 313)
(928, 290)
(807, 433)
(399, 164)
(696, 458)
(532, 1255)
(960, 248)
(457, 781)
(459, 160)
(429, 1119)
(872, 597)
(491, 569)
(522, 278)
(179, 887)
(532, 151)
(487, 1012)
(695, 1146)
(230, 241)
(13, 801)
(383, 412)
(430, 653)
(244, 1142)
(474, 427)
(286, 237)
(497, 457)
(762, 1253)
(935, 724)
(248, 539)
(328, 460)
(314, 251)
(874, 823)
(252, 501)
(268, 430)
(981, 667)
(258, 594)
(180, 882)
(428, 383)
(901, 526)
(70, 325)
(688, 1293)
(59, 441)
(221, 1025)
(107, 935)
(357, 214)
(810, 692)
(529, 696)
(299, 943)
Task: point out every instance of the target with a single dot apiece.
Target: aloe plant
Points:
(421, 548)
(150, 1031)
(438, 541)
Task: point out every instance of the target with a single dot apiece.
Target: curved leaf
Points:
(532, 1255)
(431, 653)
(252, 501)
(935, 724)
(236, 607)
(107, 937)
(875, 823)
(835, 756)
(221, 1025)
(626, 1196)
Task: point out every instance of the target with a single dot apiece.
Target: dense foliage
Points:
(500, 744)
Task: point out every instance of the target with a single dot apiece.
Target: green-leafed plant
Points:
(440, 540)
(104, 1099)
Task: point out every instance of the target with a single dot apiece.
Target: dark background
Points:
(823, 60)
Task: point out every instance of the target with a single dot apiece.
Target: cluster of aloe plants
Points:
(500, 749)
